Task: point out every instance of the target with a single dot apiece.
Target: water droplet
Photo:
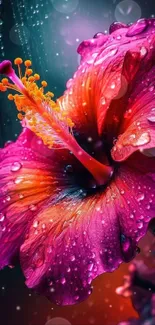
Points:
(16, 166)
(143, 51)
(103, 101)
(33, 207)
(77, 297)
(140, 225)
(18, 180)
(35, 224)
(140, 197)
(72, 258)
(142, 139)
(151, 119)
(63, 281)
(49, 250)
(2, 217)
(69, 169)
(97, 35)
(137, 28)
(90, 267)
(113, 85)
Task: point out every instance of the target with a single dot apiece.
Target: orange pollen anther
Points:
(44, 83)
(20, 116)
(31, 79)
(36, 76)
(18, 61)
(5, 81)
(29, 72)
(10, 97)
(28, 63)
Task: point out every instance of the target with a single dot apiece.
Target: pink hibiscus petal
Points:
(103, 82)
(77, 238)
(138, 126)
(27, 180)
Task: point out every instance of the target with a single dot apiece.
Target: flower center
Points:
(46, 118)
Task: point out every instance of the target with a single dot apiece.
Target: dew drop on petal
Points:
(151, 119)
(139, 139)
(63, 281)
(69, 169)
(33, 207)
(35, 224)
(140, 197)
(2, 217)
(72, 258)
(97, 35)
(140, 225)
(16, 166)
(18, 180)
(103, 101)
(143, 51)
(137, 27)
(113, 85)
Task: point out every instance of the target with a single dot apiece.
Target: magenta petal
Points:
(26, 182)
(77, 239)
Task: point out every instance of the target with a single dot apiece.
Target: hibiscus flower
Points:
(77, 187)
